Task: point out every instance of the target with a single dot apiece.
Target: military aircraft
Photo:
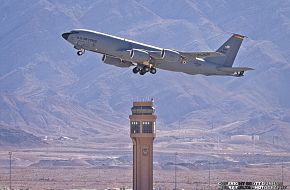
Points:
(145, 58)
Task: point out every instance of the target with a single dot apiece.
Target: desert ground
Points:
(75, 168)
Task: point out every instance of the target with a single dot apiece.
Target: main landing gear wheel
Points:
(146, 69)
(136, 70)
(81, 52)
(153, 70)
(142, 71)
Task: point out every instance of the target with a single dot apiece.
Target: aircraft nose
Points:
(65, 35)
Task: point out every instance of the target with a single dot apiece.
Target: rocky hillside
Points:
(46, 90)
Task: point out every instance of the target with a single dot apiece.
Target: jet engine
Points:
(138, 55)
(170, 55)
(116, 61)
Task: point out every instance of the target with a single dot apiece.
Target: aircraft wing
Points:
(193, 55)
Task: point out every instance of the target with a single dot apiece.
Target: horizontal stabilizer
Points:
(193, 55)
(234, 69)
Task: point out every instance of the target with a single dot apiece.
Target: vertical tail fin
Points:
(230, 49)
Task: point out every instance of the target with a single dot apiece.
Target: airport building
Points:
(242, 139)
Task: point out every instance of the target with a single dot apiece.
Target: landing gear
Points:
(153, 70)
(241, 73)
(81, 52)
(143, 70)
(146, 69)
(136, 70)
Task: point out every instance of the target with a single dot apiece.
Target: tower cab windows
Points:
(142, 110)
(135, 127)
(147, 127)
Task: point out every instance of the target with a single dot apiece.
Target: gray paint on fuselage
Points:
(115, 46)
(112, 45)
(120, 47)
(192, 67)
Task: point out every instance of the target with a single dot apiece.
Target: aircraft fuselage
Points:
(121, 48)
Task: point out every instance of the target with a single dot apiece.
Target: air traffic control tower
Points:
(142, 133)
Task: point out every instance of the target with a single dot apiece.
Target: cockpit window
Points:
(74, 32)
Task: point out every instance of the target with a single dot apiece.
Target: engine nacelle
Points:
(138, 55)
(116, 61)
(171, 56)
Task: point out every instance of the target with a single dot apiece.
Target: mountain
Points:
(46, 90)
(17, 137)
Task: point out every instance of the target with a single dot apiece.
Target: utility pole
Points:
(208, 175)
(254, 142)
(282, 171)
(218, 143)
(179, 130)
(175, 171)
(10, 164)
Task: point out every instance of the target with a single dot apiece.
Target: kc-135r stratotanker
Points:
(145, 58)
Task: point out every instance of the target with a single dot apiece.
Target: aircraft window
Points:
(74, 32)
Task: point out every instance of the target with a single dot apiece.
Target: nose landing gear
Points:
(80, 52)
